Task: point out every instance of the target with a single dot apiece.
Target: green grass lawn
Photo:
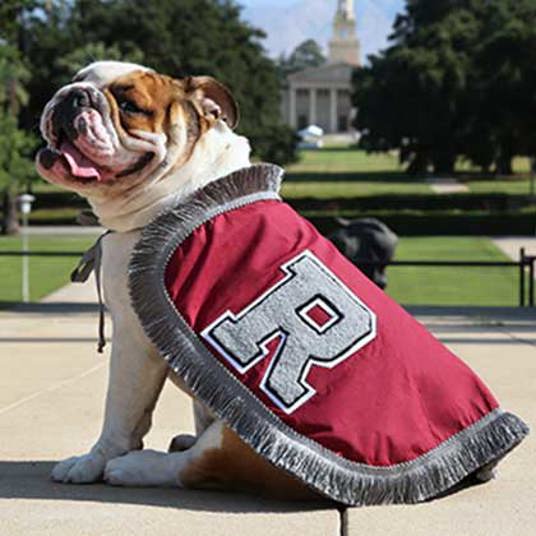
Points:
(452, 286)
(339, 171)
(347, 172)
(517, 185)
(341, 160)
(46, 273)
(331, 173)
(408, 285)
(521, 164)
(350, 189)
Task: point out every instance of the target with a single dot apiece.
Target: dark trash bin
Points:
(367, 239)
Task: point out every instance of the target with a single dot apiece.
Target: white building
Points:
(322, 95)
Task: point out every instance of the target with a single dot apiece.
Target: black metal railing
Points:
(526, 266)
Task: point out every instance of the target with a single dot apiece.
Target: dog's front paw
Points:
(80, 469)
(142, 468)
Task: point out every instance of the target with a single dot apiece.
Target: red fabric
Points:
(319, 316)
(395, 399)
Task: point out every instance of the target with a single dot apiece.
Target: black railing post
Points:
(522, 277)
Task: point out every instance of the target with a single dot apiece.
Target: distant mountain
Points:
(288, 24)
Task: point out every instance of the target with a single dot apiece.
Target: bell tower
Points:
(344, 46)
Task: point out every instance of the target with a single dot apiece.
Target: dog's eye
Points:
(130, 108)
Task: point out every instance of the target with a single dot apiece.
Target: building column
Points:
(333, 110)
(312, 106)
(292, 106)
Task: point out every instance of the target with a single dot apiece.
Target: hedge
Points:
(434, 202)
(470, 201)
(432, 224)
(407, 215)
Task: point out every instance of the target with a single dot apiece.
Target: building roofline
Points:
(322, 67)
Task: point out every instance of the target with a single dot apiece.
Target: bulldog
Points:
(307, 379)
(134, 142)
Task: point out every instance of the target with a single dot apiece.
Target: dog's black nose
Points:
(77, 98)
(68, 109)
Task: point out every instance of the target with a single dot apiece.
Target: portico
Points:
(320, 96)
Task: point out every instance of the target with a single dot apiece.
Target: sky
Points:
(289, 22)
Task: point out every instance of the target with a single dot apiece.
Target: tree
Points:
(13, 75)
(16, 145)
(505, 79)
(457, 80)
(306, 54)
(12, 14)
(411, 96)
(82, 56)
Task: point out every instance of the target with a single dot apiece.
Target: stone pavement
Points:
(69, 230)
(512, 244)
(51, 398)
(501, 346)
(445, 186)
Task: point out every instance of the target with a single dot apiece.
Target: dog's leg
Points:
(137, 375)
(219, 459)
(203, 418)
(153, 468)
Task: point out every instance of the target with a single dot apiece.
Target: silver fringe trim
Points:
(331, 475)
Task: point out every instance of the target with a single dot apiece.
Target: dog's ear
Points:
(214, 99)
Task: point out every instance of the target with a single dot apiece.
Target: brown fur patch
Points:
(146, 100)
(157, 103)
(152, 94)
(236, 466)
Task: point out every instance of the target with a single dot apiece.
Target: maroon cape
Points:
(307, 360)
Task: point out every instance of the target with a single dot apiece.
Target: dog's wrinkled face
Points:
(118, 124)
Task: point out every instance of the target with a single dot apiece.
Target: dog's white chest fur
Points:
(137, 372)
(116, 252)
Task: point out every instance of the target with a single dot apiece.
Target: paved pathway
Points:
(62, 230)
(51, 397)
(503, 351)
(80, 293)
(512, 244)
(447, 186)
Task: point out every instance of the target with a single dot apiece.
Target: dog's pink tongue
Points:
(81, 167)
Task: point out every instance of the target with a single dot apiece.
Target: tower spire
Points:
(346, 9)
(344, 46)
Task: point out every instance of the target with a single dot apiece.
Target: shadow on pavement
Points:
(49, 307)
(30, 480)
(45, 340)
